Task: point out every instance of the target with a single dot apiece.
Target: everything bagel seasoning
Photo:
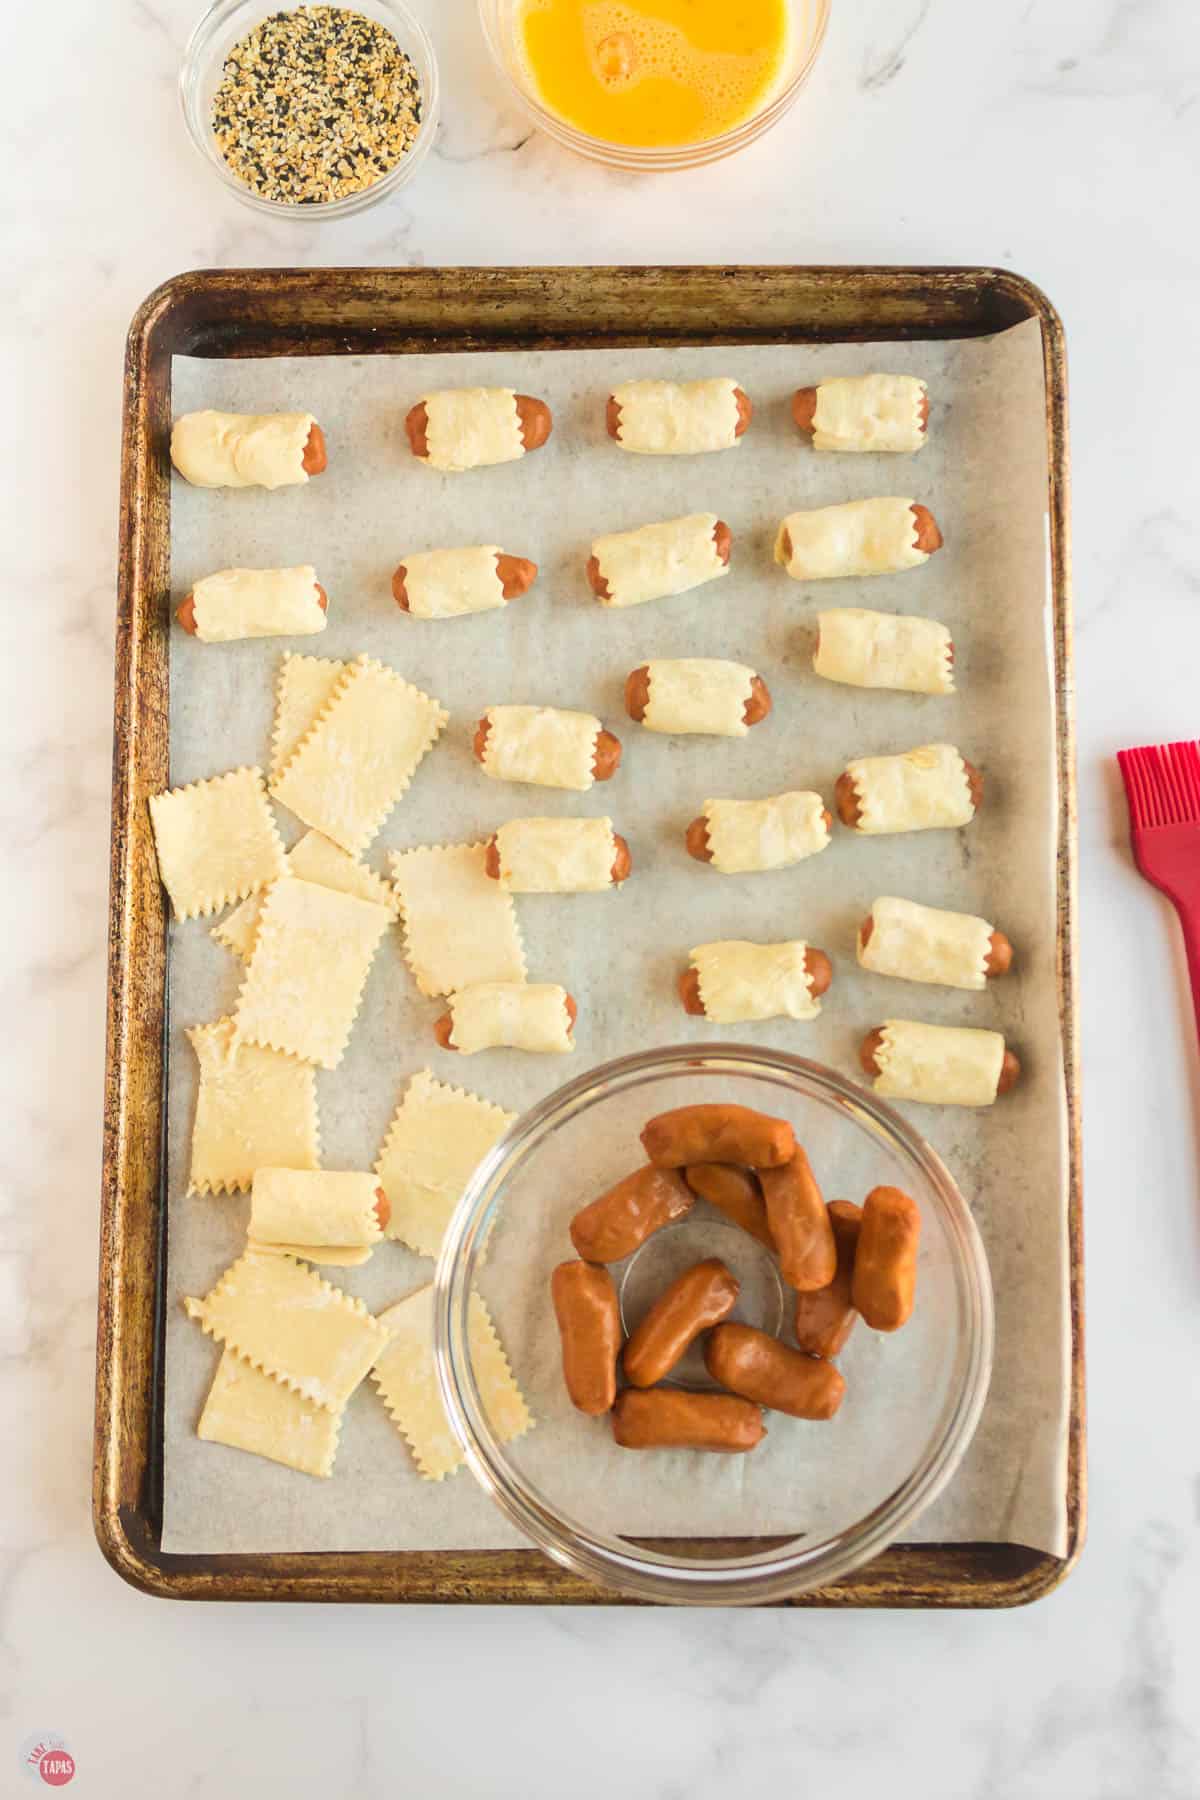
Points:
(315, 104)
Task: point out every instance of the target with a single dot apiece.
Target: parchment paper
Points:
(984, 475)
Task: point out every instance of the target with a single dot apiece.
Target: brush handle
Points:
(1189, 919)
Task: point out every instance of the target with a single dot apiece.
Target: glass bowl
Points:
(813, 1501)
(200, 74)
(807, 20)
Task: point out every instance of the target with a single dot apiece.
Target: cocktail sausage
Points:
(885, 1262)
(825, 1316)
(589, 1324)
(613, 1226)
(800, 1224)
(670, 1419)
(760, 1368)
(715, 1132)
(700, 1297)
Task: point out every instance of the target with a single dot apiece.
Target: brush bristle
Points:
(1162, 783)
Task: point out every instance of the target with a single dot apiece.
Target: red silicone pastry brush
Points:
(1162, 785)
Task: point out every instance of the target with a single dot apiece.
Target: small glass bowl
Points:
(913, 1398)
(807, 18)
(225, 22)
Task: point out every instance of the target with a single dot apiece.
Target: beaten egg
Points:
(653, 72)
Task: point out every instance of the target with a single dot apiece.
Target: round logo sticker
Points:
(45, 1758)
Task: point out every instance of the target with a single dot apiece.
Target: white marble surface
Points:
(1060, 140)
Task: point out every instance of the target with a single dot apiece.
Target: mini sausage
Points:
(745, 412)
(1010, 1068)
(315, 459)
(845, 795)
(443, 1026)
(671, 1419)
(817, 966)
(696, 839)
(713, 1132)
(606, 757)
(698, 1298)
(825, 1316)
(534, 416)
(622, 863)
(799, 1223)
(999, 956)
(885, 1263)
(722, 543)
(637, 697)
(772, 1374)
(927, 535)
(383, 1209)
(589, 1324)
(735, 1192)
(517, 575)
(613, 1226)
(804, 409)
(186, 611)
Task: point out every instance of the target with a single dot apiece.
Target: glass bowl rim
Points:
(654, 158)
(198, 48)
(653, 1575)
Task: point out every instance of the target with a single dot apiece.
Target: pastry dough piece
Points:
(868, 413)
(293, 1325)
(921, 790)
(216, 841)
(255, 1108)
(677, 418)
(406, 1376)
(303, 690)
(741, 982)
(749, 835)
(657, 560)
(313, 858)
(945, 1065)
(467, 428)
(884, 650)
(315, 1215)
(460, 926)
(216, 449)
(435, 1142)
(556, 856)
(444, 584)
(254, 603)
(863, 537)
(353, 765)
(307, 970)
(541, 744)
(923, 943)
(698, 694)
(251, 1411)
(506, 1014)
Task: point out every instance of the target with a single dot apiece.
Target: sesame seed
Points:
(315, 104)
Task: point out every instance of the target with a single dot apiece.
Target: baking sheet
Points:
(984, 475)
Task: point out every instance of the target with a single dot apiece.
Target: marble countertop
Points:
(1058, 140)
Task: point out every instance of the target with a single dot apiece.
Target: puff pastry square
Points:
(314, 858)
(407, 1381)
(255, 1109)
(307, 971)
(349, 771)
(460, 926)
(216, 841)
(302, 690)
(290, 1324)
(251, 1411)
(435, 1142)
